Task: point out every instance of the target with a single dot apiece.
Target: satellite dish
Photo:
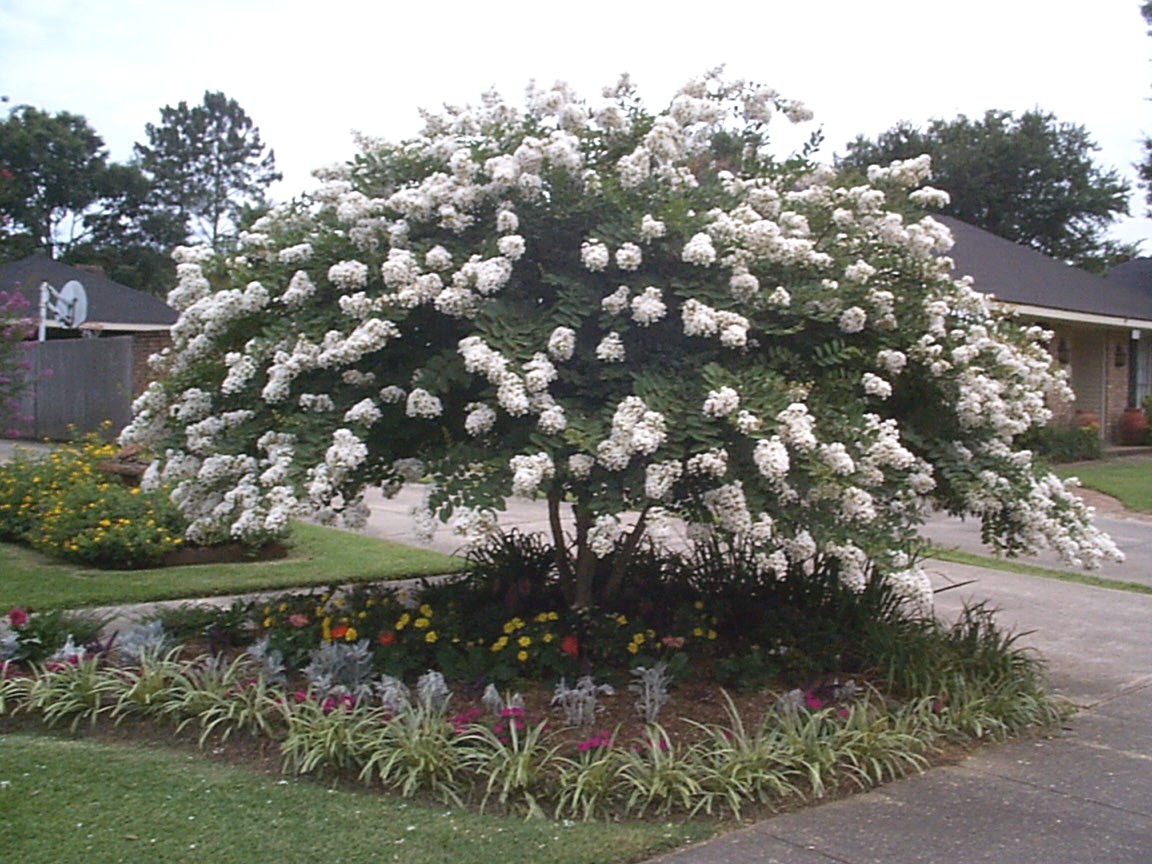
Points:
(67, 307)
(72, 304)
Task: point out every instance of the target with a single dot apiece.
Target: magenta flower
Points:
(17, 617)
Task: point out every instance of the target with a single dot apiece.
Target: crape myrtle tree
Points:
(631, 315)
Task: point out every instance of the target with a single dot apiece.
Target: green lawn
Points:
(319, 556)
(1129, 480)
(79, 800)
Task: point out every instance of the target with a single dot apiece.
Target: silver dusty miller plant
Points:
(432, 691)
(581, 703)
(146, 639)
(270, 662)
(337, 668)
(651, 685)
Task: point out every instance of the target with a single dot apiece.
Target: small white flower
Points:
(699, 251)
(421, 403)
(562, 343)
(629, 257)
(721, 403)
(853, 319)
(648, 307)
(651, 229)
(876, 386)
(594, 255)
(616, 302)
(611, 349)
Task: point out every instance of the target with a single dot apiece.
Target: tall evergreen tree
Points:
(207, 164)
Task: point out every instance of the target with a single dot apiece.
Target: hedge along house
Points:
(82, 377)
(1102, 328)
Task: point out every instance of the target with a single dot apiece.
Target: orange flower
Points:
(387, 637)
(570, 645)
(339, 631)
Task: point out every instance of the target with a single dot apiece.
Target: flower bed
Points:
(617, 717)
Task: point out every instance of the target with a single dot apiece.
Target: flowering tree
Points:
(638, 315)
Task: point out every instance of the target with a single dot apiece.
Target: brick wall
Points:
(144, 345)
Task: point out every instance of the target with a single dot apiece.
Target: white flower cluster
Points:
(528, 472)
(648, 306)
(702, 320)
(721, 403)
(659, 478)
(421, 403)
(635, 430)
(611, 349)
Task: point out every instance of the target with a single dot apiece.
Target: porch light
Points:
(1062, 352)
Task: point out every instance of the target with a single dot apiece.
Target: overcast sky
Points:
(308, 73)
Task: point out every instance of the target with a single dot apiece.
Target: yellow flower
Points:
(638, 638)
(350, 634)
(699, 604)
(421, 623)
(512, 626)
(430, 637)
(548, 638)
(426, 610)
(522, 656)
(698, 632)
(402, 621)
(524, 641)
(268, 622)
(500, 644)
(711, 634)
(633, 648)
(622, 620)
(541, 618)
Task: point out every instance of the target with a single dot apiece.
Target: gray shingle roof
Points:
(1019, 275)
(109, 303)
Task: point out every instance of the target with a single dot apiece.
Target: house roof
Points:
(1136, 273)
(111, 306)
(1037, 284)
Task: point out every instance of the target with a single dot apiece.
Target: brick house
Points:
(1102, 328)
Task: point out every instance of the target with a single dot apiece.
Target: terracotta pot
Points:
(1133, 427)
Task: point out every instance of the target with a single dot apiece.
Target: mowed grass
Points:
(80, 800)
(318, 556)
(1129, 480)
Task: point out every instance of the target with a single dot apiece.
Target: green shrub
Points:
(103, 523)
(1065, 443)
(62, 504)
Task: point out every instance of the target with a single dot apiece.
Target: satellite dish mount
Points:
(67, 308)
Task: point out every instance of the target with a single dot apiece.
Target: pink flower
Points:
(17, 617)
(812, 703)
(672, 641)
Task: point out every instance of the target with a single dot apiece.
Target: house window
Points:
(1141, 354)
